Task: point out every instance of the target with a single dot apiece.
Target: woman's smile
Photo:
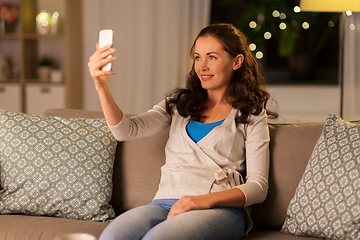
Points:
(205, 77)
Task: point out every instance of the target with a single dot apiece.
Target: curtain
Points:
(152, 39)
(351, 75)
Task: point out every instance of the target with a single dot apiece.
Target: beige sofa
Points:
(137, 173)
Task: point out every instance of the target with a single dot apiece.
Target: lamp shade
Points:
(330, 5)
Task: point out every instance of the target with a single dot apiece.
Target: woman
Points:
(217, 122)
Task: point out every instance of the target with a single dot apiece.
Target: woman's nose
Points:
(203, 66)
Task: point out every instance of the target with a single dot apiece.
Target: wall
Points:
(304, 103)
(351, 67)
(152, 39)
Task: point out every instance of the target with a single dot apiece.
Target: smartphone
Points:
(106, 37)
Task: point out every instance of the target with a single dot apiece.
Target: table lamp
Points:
(330, 5)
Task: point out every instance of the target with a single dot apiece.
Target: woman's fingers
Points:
(98, 64)
(102, 53)
(188, 203)
(99, 59)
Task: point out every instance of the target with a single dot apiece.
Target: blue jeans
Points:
(149, 222)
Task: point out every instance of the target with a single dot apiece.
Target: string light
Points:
(352, 26)
(259, 55)
(297, 9)
(252, 46)
(276, 13)
(282, 26)
(305, 25)
(267, 35)
(282, 16)
(252, 24)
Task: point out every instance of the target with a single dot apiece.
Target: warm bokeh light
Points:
(259, 55)
(276, 13)
(267, 35)
(282, 26)
(252, 24)
(252, 46)
(297, 9)
(305, 25)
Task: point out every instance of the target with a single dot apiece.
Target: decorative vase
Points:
(7, 27)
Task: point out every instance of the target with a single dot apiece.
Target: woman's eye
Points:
(197, 58)
(212, 57)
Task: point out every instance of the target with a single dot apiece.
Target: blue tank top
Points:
(197, 130)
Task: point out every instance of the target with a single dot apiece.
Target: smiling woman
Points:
(201, 191)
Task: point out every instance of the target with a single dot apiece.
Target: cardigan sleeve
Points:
(257, 141)
(143, 125)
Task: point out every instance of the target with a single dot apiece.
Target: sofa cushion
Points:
(56, 167)
(327, 200)
(274, 235)
(143, 156)
(20, 227)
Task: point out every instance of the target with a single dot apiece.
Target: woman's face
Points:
(213, 65)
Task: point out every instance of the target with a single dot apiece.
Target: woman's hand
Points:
(98, 60)
(228, 198)
(188, 203)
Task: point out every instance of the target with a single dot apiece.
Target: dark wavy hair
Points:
(244, 92)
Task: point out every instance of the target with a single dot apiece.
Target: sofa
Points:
(137, 173)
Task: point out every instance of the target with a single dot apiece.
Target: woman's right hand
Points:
(98, 60)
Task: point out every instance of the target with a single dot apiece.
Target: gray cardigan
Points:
(215, 163)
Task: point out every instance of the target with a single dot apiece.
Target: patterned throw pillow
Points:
(327, 200)
(56, 167)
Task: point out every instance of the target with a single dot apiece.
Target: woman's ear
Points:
(238, 61)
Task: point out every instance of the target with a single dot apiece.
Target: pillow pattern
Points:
(327, 200)
(56, 167)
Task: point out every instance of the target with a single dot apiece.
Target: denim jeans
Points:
(149, 222)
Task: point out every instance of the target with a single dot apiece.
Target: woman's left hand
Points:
(228, 198)
(188, 203)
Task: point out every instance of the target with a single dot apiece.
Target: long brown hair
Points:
(244, 91)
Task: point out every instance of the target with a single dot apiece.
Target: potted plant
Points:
(44, 68)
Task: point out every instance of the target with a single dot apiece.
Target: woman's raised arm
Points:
(112, 112)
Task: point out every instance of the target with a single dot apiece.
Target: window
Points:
(292, 47)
